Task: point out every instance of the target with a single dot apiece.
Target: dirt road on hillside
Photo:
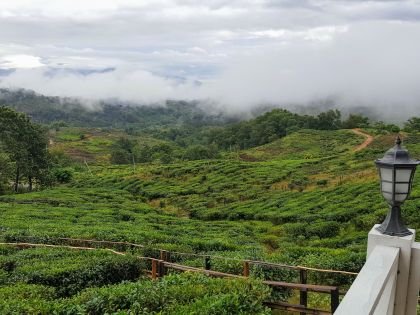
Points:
(368, 140)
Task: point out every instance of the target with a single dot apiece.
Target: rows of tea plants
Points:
(67, 271)
(307, 199)
(230, 206)
(174, 294)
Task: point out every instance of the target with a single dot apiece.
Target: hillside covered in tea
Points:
(282, 187)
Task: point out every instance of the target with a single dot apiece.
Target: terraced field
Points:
(307, 199)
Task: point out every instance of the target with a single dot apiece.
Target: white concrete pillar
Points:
(373, 291)
(404, 243)
(413, 281)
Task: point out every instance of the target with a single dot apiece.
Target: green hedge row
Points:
(175, 294)
(68, 271)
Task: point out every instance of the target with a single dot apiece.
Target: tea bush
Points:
(175, 294)
(68, 271)
(237, 206)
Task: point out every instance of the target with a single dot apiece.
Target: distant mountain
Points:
(110, 113)
(52, 71)
(6, 72)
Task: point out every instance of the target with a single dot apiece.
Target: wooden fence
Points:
(161, 265)
(160, 268)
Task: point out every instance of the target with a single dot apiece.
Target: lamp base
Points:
(393, 224)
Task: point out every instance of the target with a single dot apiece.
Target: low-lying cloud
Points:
(357, 53)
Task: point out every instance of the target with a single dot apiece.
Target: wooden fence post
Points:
(161, 268)
(154, 268)
(246, 268)
(207, 263)
(163, 255)
(303, 293)
(132, 247)
(335, 299)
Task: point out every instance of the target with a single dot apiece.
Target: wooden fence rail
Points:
(333, 291)
(161, 265)
(203, 256)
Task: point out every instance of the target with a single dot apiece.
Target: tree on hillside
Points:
(200, 152)
(6, 172)
(329, 120)
(356, 121)
(163, 152)
(413, 124)
(144, 155)
(122, 151)
(15, 136)
(383, 127)
(38, 160)
(26, 146)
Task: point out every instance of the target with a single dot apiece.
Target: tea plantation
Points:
(305, 199)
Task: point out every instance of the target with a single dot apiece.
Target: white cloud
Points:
(127, 84)
(322, 33)
(244, 51)
(20, 61)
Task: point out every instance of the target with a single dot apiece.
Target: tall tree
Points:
(329, 120)
(26, 145)
(356, 121)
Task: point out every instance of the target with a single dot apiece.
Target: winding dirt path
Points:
(369, 139)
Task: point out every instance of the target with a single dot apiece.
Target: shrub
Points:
(186, 293)
(298, 183)
(319, 229)
(63, 175)
(323, 229)
(26, 299)
(200, 152)
(69, 271)
(271, 240)
(322, 182)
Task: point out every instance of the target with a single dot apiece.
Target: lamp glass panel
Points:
(386, 174)
(387, 196)
(403, 174)
(400, 197)
(387, 187)
(402, 188)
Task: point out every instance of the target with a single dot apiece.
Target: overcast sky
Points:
(238, 52)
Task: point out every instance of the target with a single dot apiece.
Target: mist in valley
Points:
(306, 56)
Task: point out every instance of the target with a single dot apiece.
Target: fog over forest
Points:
(351, 53)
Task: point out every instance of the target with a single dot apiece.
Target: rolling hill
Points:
(308, 198)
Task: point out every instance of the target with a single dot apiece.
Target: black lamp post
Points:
(396, 171)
